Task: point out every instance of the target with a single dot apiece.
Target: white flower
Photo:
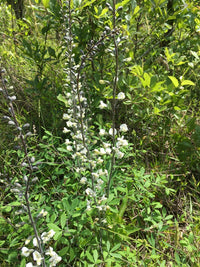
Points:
(70, 124)
(102, 132)
(32, 159)
(68, 95)
(67, 142)
(100, 172)
(28, 240)
(37, 257)
(69, 102)
(90, 192)
(50, 252)
(106, 145)
(95, 175)
(99, 160)
(11, 123)
(29, 264)
(88, 208)
(111, 131)
(105, 172)
(102, 151)
(54, 260)
(12, 98)
(123, 128)
(79, 146)
(35, 242)
(121, 142)
(26, 252)
(103, 198)
(96, 151)
(119, 154)
(121, 96)
(102, 105)
(99, 182)
(83, 180)
(128, 59)
(65, 130)
(46, 236)
(51, 233)
(54, 257)
(43, 213)
(66, 116)
(99, 207)
(84, 151)
(69, 148)
(102, 81)
(108, 150)
(78, 135)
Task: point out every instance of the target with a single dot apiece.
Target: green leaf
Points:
(157, 205)
(72, 254)
(62, 99)
(123, 3)
(104, 11)
(194, 54)
(174, 81)
(136, 10)
(187, 82)
(89, 256)
(57, 235)
(177, 258)
(52, 52)
(45, 3)
(54, 227)
(156, 111)
(95, 255)
(87, 3)
(108, 245)
(63, 251)
(6, 208)
(115, 255)
(15, 204)
(176, 108)
(115, 247)
(63, 219)
(23, 263)
(158, 87)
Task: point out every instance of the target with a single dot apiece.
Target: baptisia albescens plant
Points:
(20, 187)
(95, 151)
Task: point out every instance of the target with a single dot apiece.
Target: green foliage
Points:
(146, 210)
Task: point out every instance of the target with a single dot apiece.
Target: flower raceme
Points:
(45, 237)
(89, 153)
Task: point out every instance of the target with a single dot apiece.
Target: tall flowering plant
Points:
(21, 188)
(94, 151)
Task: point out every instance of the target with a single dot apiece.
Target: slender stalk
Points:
(26, 193)
(114, 98)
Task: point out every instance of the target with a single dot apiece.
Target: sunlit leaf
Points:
(187, 82)
(45, 3)
(174, 81)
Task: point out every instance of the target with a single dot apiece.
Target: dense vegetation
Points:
(100, 133)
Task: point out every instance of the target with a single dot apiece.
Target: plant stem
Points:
(114, 99)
